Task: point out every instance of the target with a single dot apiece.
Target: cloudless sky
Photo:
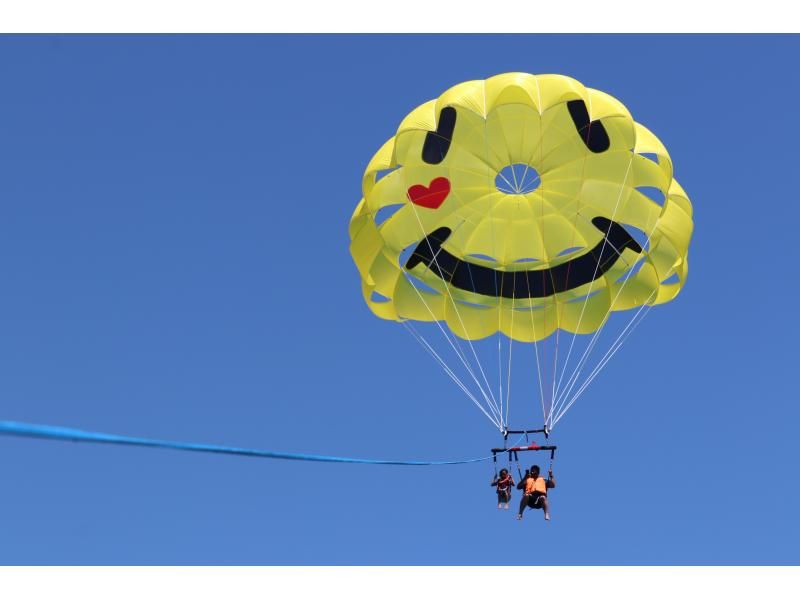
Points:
(174, 264)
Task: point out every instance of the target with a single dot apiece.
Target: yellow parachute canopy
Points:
(521, 204)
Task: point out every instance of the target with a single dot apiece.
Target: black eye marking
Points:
(593, 132)
(524, 284)
(438, 142)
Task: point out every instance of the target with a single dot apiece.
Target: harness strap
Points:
(516, 458)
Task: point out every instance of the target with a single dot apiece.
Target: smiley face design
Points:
(521, 204)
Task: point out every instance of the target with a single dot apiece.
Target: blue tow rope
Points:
(10, 428)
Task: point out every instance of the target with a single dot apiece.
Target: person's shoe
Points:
(506, 507)
(547, 516)
(519, 517)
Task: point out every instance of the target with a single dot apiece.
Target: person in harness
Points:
(534, 489)
(504, 483)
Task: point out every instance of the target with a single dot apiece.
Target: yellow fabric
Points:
(537, 485)
(518, 118)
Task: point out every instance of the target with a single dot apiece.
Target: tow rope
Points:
(11, 428)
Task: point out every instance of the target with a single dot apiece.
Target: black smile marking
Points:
(437, 143)
(525, 284)
(593, 132)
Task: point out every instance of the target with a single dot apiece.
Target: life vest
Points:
(537, 485)
(504, 485)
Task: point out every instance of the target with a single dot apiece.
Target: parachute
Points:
(520, 211)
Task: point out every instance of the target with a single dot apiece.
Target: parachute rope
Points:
(569, 401)
(615, 346)
(12, 428)
(454, 344)
(495, 408)
(456, 349)
(492, 211)
(433, 353)
(510, 341)
(588, 294)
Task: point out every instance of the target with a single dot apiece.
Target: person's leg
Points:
(500, 499)
(523, 502)
(545, 507)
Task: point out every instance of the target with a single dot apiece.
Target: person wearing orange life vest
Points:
(535, 491)
(504, 484)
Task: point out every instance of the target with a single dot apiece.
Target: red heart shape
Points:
(431, 196)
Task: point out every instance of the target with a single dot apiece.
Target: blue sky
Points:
(164, 199)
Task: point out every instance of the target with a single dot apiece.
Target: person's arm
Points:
(551, 481)
(521, 485)
(494, 481)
